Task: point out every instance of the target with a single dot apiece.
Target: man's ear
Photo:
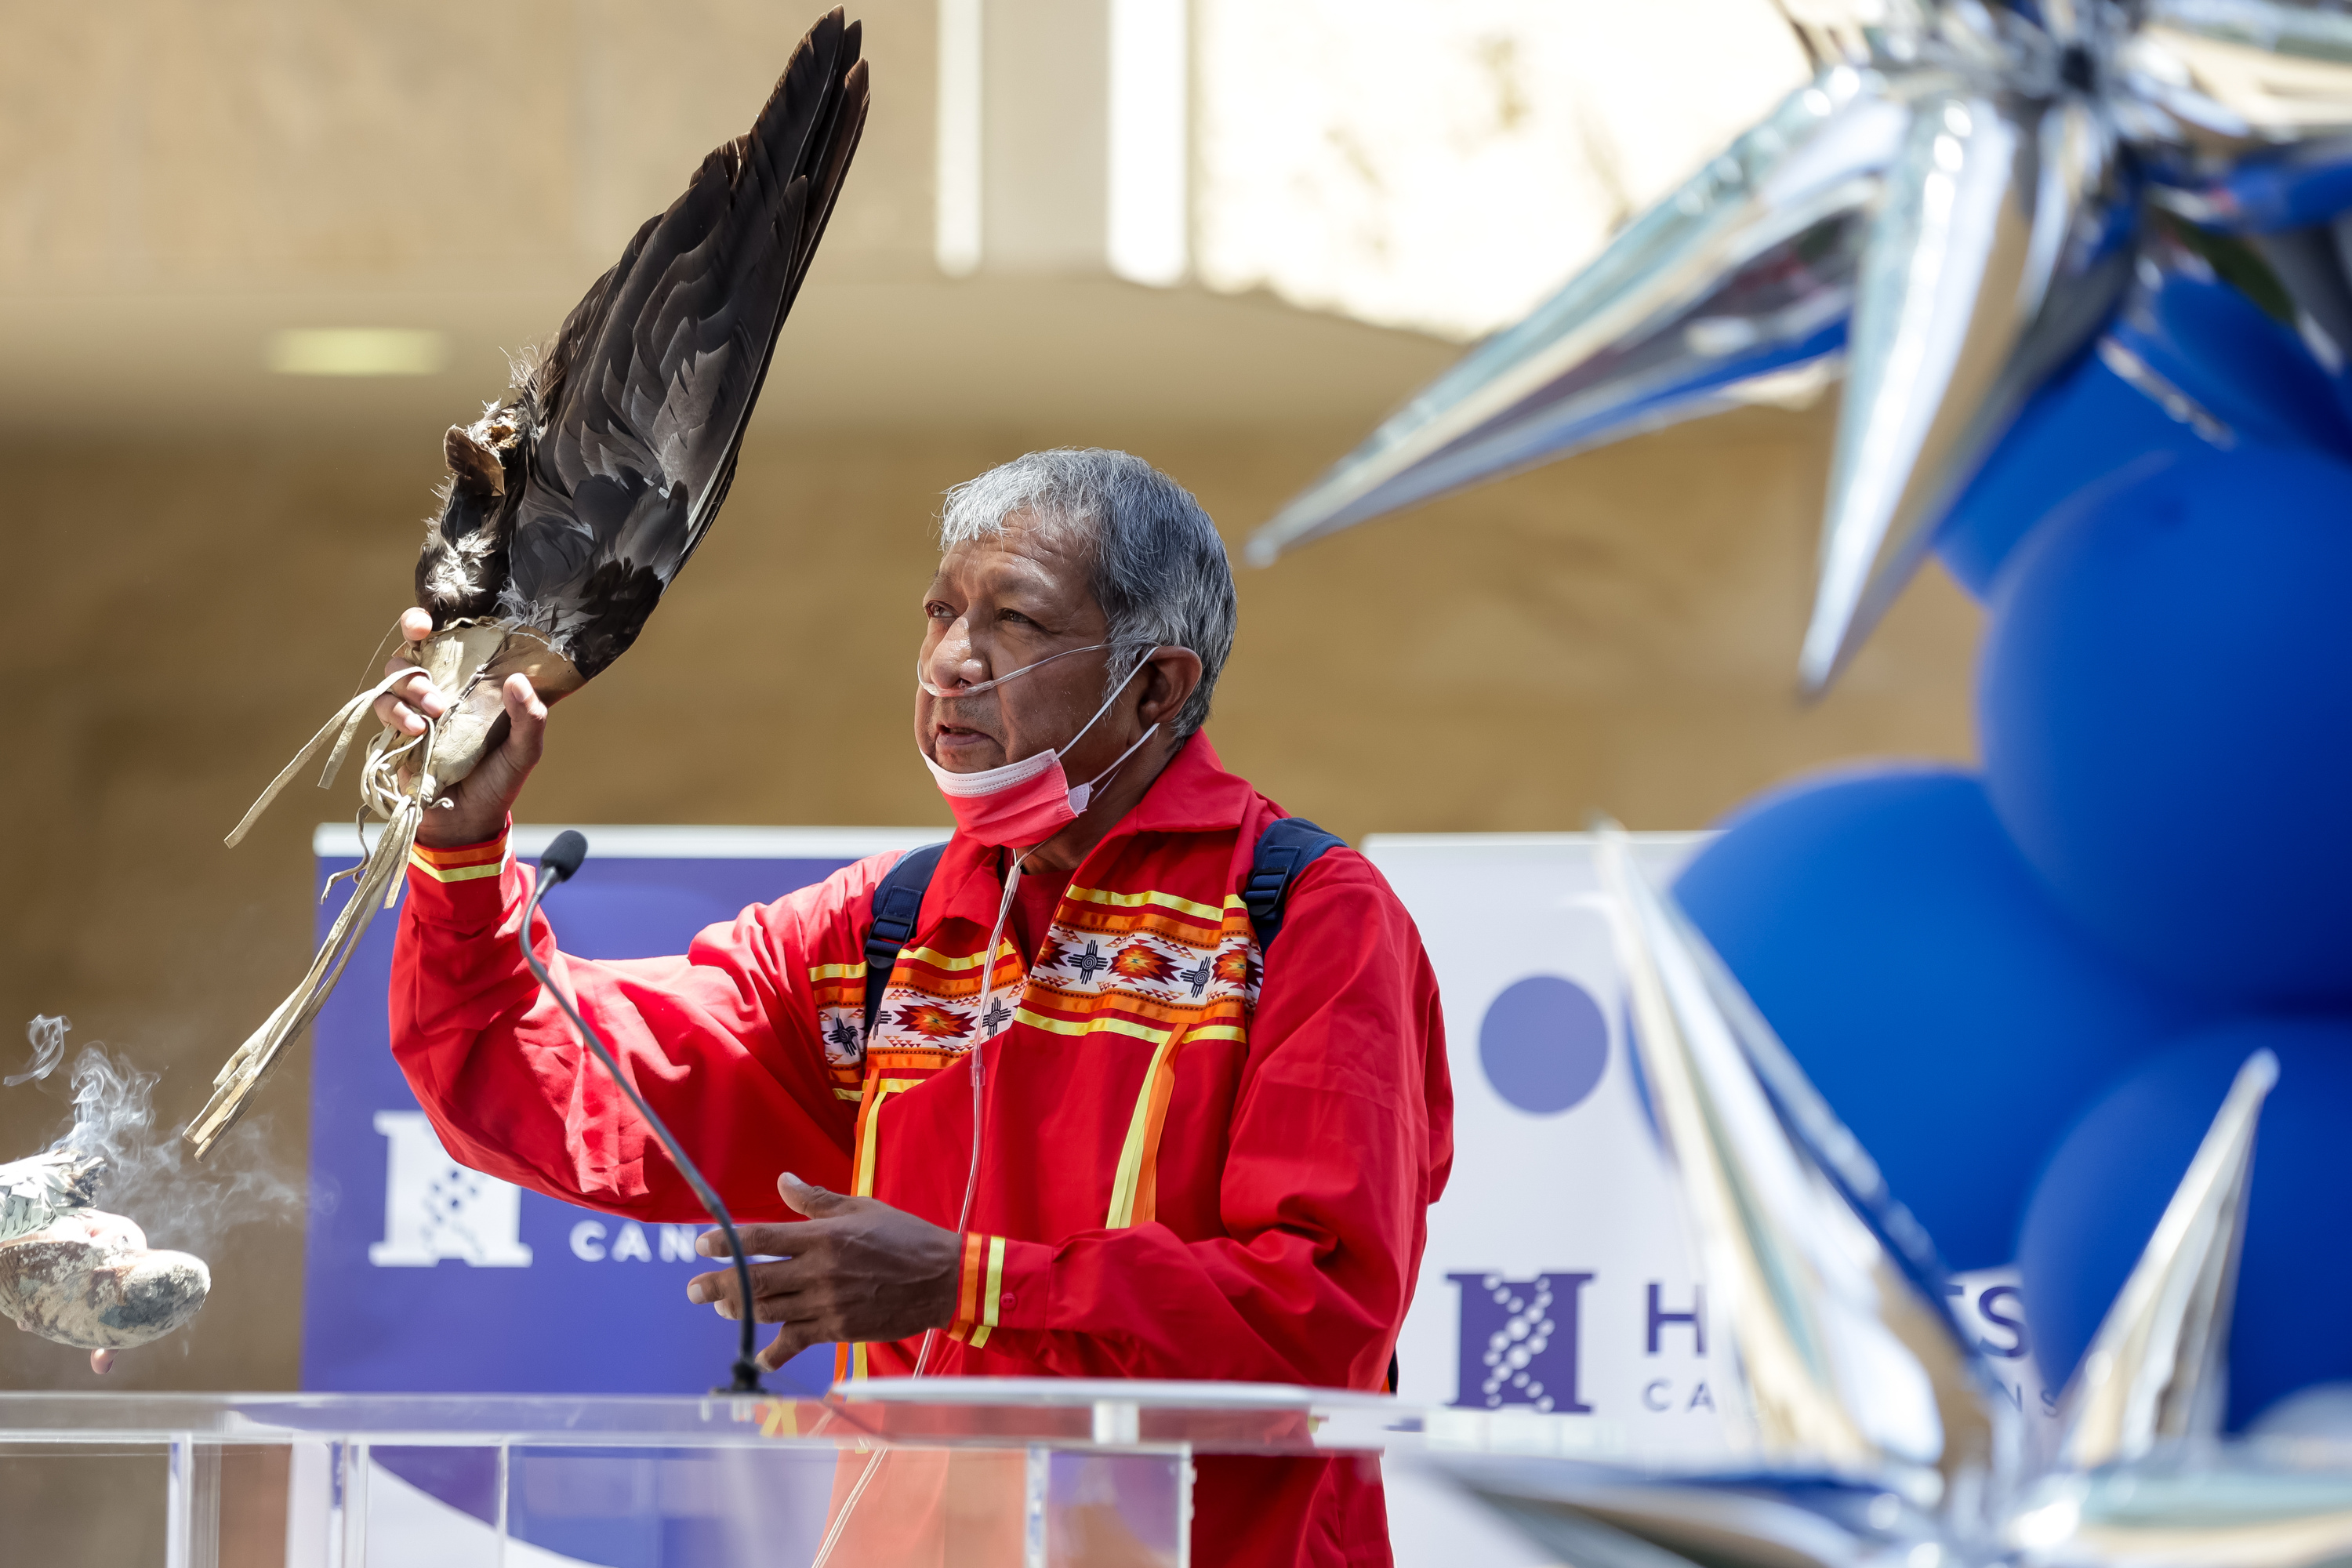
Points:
(1171, 677)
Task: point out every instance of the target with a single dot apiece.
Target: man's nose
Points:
(954, 661)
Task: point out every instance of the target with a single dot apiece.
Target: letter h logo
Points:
(436, 1208)
(1519, 1342)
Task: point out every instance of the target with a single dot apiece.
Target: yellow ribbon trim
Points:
(456, 873)
(868, 1132)
(1088, 1026)
(990, 1293)
(1131, 1154)
(1208, 913)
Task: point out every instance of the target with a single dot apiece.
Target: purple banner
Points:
(423, 1276)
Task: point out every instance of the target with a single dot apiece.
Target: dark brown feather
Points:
(626, 431)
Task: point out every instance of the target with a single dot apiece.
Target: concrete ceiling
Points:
(178, 185)
(858, 351)
(175, 189)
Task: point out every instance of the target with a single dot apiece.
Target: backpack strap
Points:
(1287, 847)
(898, 904)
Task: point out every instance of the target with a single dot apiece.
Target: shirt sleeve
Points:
(722, 1042)
(1341, 1138)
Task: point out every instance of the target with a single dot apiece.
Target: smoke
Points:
(180, 1202)
(48, 1036)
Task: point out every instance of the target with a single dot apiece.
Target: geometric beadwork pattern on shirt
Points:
(1149, 963)
(932, 1002)
(839, 992)
(1177, 963)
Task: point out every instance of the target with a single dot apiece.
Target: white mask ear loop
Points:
(1064, 749)
(980, 1040)
(1085, 793)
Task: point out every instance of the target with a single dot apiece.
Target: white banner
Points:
(1557, 1301)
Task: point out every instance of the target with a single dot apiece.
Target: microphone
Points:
(558, 864)
(561, 862)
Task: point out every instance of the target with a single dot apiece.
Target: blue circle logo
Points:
(1544, 1044)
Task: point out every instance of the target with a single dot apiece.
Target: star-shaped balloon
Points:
(1955, 204)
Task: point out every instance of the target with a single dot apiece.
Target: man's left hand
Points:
(855, 1269)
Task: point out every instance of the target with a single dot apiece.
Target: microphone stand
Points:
(561, 859)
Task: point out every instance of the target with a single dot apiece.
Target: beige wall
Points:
(201, 556)
(1610, 634)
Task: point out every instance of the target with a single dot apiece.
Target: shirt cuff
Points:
(461, 884)
(999, 1283)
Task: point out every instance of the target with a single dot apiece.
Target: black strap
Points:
(1286, 849)
(898, 904)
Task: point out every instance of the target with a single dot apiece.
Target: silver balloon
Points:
(1848, 1357)
(1864, 1422)
(2245, 1505)
(1994, 258)
(1597, 1516)
(1746, 270)
(2138, 1475)
(2141, 1476)
(1957, 200)
(2234, 76)
(2154, 1369)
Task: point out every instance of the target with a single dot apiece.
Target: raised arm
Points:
(722, 1042)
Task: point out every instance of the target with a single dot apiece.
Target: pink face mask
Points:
(1025, 803)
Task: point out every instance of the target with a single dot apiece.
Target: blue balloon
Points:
(2089, 431)
(1889, 932)
(2166, 708)
(2242, 367)
(2293, 188)
(2080, 431)
(2095, 1205)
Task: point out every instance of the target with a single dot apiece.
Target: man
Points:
(1192, 1160)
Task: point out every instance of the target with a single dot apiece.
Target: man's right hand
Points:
(482, 800)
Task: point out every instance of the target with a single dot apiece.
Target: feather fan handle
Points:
(399, 784)
(242, 1073)
(342, 727)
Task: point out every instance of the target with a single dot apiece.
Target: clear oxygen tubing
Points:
(988, 972)
(988, 981)
(979, 1076)
(993, 781)
(971, 1187)
(923, 680)
(996, 935)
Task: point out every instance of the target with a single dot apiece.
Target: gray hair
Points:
(1160, 570)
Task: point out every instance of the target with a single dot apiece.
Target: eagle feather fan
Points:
(573, 504)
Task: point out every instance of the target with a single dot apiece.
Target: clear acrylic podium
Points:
(1006, 1473)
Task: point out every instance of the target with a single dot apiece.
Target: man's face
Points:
(998, 605)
